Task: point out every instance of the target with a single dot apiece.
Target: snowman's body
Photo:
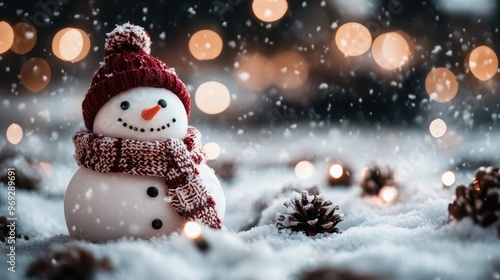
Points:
(106, 206)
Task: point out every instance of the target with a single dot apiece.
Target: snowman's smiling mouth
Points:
(152, 129)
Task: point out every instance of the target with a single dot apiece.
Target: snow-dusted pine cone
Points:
(311, 214)
(480, 200)
(375, 178)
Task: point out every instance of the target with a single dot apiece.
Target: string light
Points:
(336, 171)
(441, 85)
(6, 36)
(483, 63)
(24, 38)
(448, 178)
(353, 39)
(437, 128)
(213, 150)
(205, 45)
(14, 133)
(253, 71)
(269, 10)
(71, 44)
(35, 74)
(388, 194)
(193, 231)
(212, 97)
(304, 169)
(291, 69)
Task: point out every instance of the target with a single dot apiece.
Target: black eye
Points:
(162, 103)
(125, 105)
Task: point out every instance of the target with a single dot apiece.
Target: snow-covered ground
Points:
(407, 239)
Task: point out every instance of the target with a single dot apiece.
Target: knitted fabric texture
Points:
(128, 64)
(173, 159)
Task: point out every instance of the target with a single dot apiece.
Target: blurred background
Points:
(332, 63)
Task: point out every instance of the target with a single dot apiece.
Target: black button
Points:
(157, 224)
(152, 192)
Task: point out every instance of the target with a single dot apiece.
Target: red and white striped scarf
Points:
(173, 159)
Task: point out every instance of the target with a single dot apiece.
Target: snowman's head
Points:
(142, 113)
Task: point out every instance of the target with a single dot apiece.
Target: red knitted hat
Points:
(128, 64)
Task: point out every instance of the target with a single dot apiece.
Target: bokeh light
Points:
(388, 194)
(437, 128)
(47, 168)
(212, 149)
(483, 63)
(35, 74)
(253, 71)
(269, 10)
(391, 50)
(24, 38)
(448, 178)
(6, 36)
(205, 45)
(441, 85)
(290, 69)
(353, 39)
(192, 230)
(14, 133)
(304, 169)
(71, 44)
(336, 171)
(212, 97)
(396, 49)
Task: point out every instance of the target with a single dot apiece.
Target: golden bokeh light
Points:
(47, 168)
(336, 170)
(304, 169)
(6, 36)
(14, 133)
(441, 85)
(212, 97)
(353, 39)
(291, 69)
(35, 74)
(448, 178)
(483, 63)
(396, 49)
(205, 45)
(212, 149)
(192, 230)
(388, 194)
(24, 38)
(253, 71)
(437, 128)
(392, 50)
(71, 44)
(269, 10)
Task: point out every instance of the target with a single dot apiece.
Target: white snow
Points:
(409, 239)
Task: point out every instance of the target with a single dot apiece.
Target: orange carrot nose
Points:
(149, 113)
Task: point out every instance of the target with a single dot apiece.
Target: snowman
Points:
(142, 168)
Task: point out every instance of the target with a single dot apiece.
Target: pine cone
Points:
(374, 179)
(480, 200)
(73, 263)
(311, 214)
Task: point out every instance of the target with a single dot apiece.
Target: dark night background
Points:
(404, 104)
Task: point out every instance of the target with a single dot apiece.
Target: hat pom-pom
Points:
(127, 37)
